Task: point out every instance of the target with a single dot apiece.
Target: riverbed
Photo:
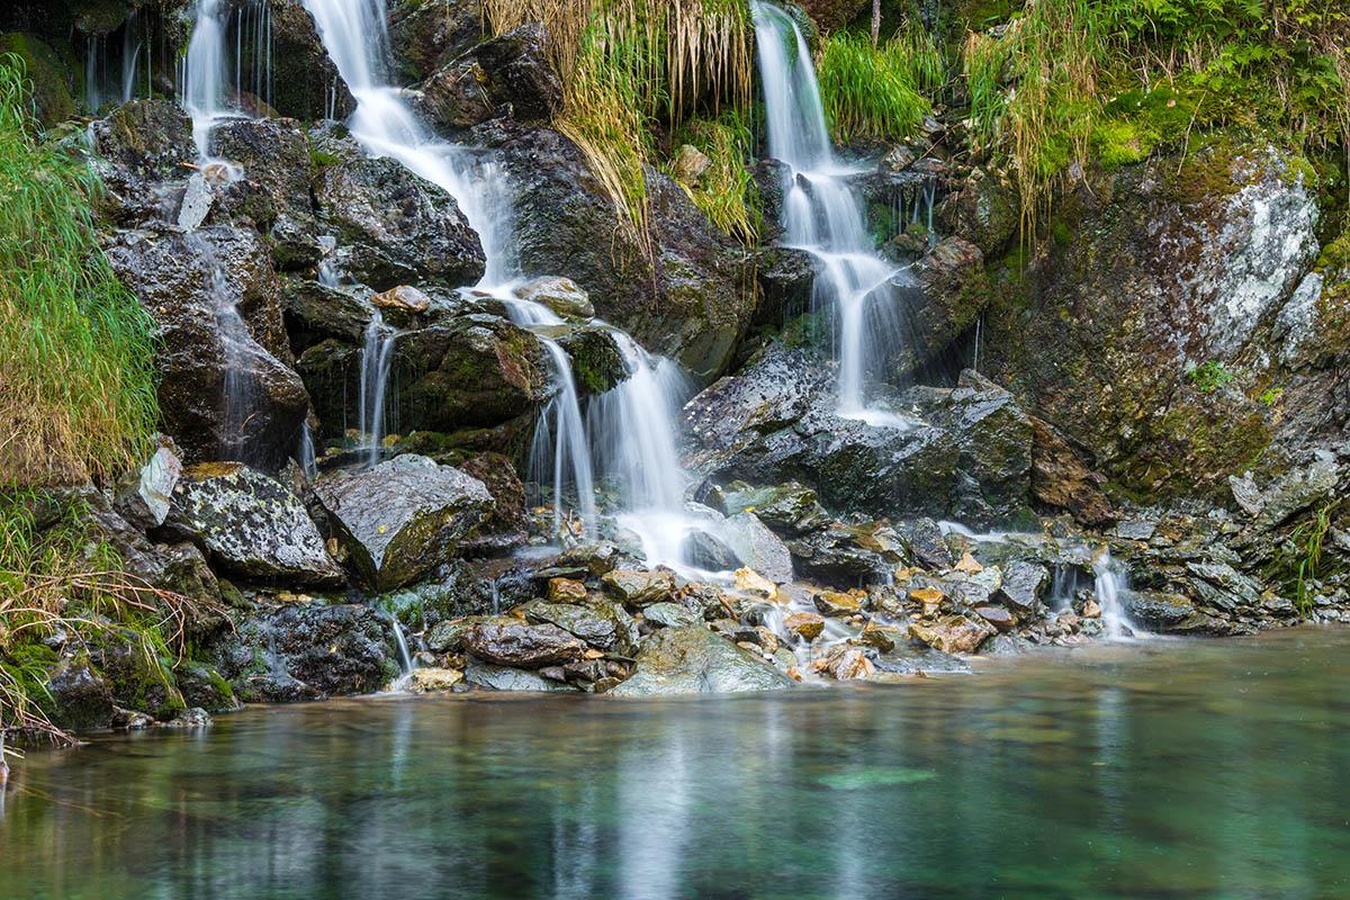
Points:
(1170, 768)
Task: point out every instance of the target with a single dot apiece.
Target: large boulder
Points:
(424, 35)
(508, 75)
(394, 227)
(226, 389)
(522, 646)
(401, 519)
(251, 525)
(693, 660)
(304, 82)
(137, 149)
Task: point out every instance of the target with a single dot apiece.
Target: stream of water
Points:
(1093, 774)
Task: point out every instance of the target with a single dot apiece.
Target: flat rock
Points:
(639, 588)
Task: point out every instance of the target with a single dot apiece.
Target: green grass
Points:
(873, 93)
(726, 192)
(77, 390)
(1210, 376)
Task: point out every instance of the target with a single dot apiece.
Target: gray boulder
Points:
(694, 660)
(522, 646)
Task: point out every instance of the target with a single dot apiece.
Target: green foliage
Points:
(1301, 555)
(725, 192)
(1210, 376)
(1271, 396)
(873, 93)
(77, 391)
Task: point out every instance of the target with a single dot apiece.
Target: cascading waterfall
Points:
(377, 359)
(253, 50)
(1111, 580)
(822, 214)
(132, 43)
(354, 34)
(204, 76)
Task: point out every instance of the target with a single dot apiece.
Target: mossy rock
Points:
(139, 671)
(49, 74)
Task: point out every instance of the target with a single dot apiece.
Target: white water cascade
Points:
(1111, 580)
(631, 428)
(377, 360)
(823, 215)
(204, 73)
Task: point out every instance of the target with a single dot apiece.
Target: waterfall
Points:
(132, 42)
(305, 453)
(377, 358)
(822, 214)
(1111, 581)
(203, 76)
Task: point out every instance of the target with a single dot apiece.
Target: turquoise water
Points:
(1173, 769)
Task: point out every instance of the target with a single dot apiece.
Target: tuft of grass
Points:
(1210, 376)
(56, 579)
(77, 389)
(725, 192)
(872, 93)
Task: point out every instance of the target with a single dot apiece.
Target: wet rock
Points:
(306, 651)
(501, 678)
(639, 588)
(81, 698)
(846, 555)
(433, 681)
(146, 500)
(522, 646)
(1061, 478)
(604, 627)
(204, 688)
(196, 717)
(273, 192)
(756, 585)
(179, 567)
(954, 634)
(951, 293)
(403, 518)
(912, 658)
(786, 279)
(395, 227)
(790, 508)
(1024, 584)
(138, 147)
(928, 544)
(187, 282)
(985, 210)
(46, 73)
(304, 83)
(671, 615)
(758, 547)
(447, 636)
(139, 676)
(844, 663)
(806, 625)
(508, 75)
(703, 550)
(597, 559)
(1296, 490)
(562, 295)
(566, 590)
(997, 616)
(1156, 610)
(314, 312)
(693, 660)
(402, 299)
(424, 35)
(251, 525)
(837, 605)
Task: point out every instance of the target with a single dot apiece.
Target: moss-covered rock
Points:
(49, 74)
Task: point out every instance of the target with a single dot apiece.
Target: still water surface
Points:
(1171, 769)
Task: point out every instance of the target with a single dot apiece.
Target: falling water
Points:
(235, 343)
(253, 49)
(377, 358)
(1111, 581)
(405, 660)
(95, 70)
(132, 43)
(203, 77)
(305, 453)
(822, 214)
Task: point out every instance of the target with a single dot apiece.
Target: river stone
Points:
(509, 74)
(501, 678)
(1157, 610)
(790, 508)
(1023, 586)
(590, 625)
(837, 605)
(639, 588)
(426, 34)
(251, 525)
(807, 625)
(205, 688)
(694, 660)
(671, 615)
(522, 646)
(146, 501)
(954, 634)
(404, 517)
(707, 551)
(757, 547)
(81, 699)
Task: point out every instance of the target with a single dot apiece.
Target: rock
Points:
(1024, 584)
(178, 567)
(603, 625)
(188, 282)
(844, 663)
(204, 688)
(500, 678)
(426, 34)
(273, 189)
(756, 585)
(251, 525)
(688, 164)
(137, 147)
(597, 559)
(304, 82)
(693, 660)
(139, 676)
(433, 681)
(47, 75)
(998, 617)
(394, 227)
(315, 312)
(928, 544)
(671, 615)
(1300, 488)
(507, 75)
(81, 699)
(190, 718)
(148, 499)
(757, 547)
(566, 590)
(806, 625)
(704, 550)
(954, 634)
(789, 508)
(1156, 610)
(985, 211)
(306, 651)
(505, 527)
(950, 294)
(837, 605)
(558, 294)
(402, 298)
(522, 646)
(598, 364)
(447, 636)
(847, 555)
(639, 588)
(403, 518)
(911, 658)
(1060, 477)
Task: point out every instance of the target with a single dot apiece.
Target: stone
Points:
(688, 164)
(1157, 610)
(501, 678)
(146, 501)
(603, 626)
(757, 547)
(1024, 584)
(424, 35)
(447, 635)
(597, 559)
(844, 663)
(954, 634)
(837, 605)
(251, 525)
(510, 74)
(806, 625)
(639, 588)
(204, 687)
(81, 698)
(404, 298)
(756, 585)
(304, 82)
(998, 617)
(790, 508)
(566, 590)
(1060, 477)
(928, 544)
(522, 646)
(704, 550)
(402, 518)
(433, 681)
(671, 615)
(562, 295)
(694, 660)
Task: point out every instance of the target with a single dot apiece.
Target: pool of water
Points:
(1170, 769)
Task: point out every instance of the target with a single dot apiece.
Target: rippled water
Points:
(1173, 769)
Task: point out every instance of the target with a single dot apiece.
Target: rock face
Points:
(966, 455)
(693, 660)
(402, 518)
(190, 284)
(1141, 332)
(509, 74)
(250, 525)
(305, 83)
(426, 34)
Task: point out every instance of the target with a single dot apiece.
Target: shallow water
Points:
(1170, 769)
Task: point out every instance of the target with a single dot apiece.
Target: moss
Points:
(1120, 143)
(49, 75)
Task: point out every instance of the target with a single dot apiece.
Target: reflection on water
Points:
(1178, 770)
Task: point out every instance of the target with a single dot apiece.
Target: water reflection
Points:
(1186, 770)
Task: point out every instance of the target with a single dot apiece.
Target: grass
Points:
(55, 579)
(873, 93)
(725, 192)
(77, 390)
(1304, 552)
(1210, 376)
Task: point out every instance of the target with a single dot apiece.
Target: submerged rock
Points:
(251, 525)
(402, 518)
(694, 660)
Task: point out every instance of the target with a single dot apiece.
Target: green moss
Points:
(1119, 143)
(49, 76)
